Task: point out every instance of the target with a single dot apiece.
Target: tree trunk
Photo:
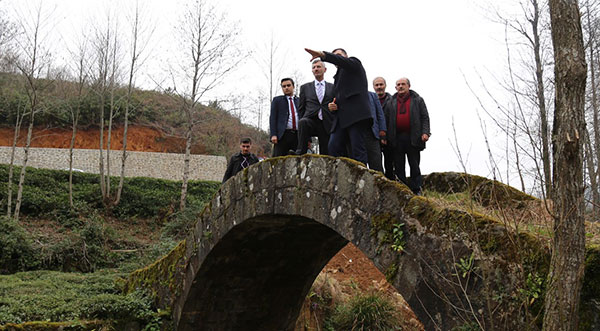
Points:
(25, 159)
(186, 165)
(596, 121)
(124, 155)
(134, 56)
(568, 244)
(101, 148)
(111, 114)
(71, 146)
(12, 161)
(541, 99)
(592, 173)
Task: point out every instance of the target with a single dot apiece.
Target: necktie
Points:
(293, 112)
(320, 93)
(245, 163)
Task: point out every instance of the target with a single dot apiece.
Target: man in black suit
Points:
(351, 102)
(283, 122)
(315, 117)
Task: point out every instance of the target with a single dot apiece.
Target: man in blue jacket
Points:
(283, 122)
(351, 103)
(377, 135)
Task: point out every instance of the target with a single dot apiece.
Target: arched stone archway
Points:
(267, 233)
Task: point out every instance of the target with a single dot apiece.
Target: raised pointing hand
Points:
(314, 54)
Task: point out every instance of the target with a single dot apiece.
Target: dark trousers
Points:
(373, 151)
(404, 149)
(354, 136)
(289, 140)
(388, 161)
(308, 127)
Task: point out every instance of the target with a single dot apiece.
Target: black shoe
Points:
(292, 152)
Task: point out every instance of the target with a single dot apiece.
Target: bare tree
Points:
(269, 60)
(527, 88)
(80, 66)
(105, 44)
(210, 45)
(135, 54)
(7, 34)
(568, 244)
(592, 155)
(32, 59)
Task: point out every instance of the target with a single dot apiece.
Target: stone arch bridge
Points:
(266, 234)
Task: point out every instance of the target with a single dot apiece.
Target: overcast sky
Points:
(431, 42)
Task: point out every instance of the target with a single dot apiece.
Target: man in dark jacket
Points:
(283, 121)
(241, 160)
(351, 102)
(379, 85)
(376, 135)
(408, 131)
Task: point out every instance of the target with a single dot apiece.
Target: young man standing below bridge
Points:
(407, 131)
(241, 160)
(351, 102)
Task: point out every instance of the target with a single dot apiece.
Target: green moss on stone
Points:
(589, 313)
(591, 281)
(483, 190)
(160, 277)
(492, 236)
(391, 272)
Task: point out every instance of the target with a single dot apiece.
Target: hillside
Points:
(156, 117)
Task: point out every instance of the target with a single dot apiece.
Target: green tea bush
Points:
(45, 193)
(16, 247)
(147, 197)
(370, 311)
(85, 249)
(86, 241)
(58, 297)
(180, 223)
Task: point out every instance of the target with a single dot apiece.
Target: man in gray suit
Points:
(315, 117)
(351, 102)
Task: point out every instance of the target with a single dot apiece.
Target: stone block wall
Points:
(139, 164)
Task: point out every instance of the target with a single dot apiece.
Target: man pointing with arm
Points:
(351, 102)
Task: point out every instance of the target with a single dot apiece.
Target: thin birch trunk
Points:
(12, 160)
(186, 166)
(541, 99)
(24, 166)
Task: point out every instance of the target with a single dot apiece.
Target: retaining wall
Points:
(138, 164)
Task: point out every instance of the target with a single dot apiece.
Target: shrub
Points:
(365, 312)
(17, 252)
(85, 249)
(60, 297)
